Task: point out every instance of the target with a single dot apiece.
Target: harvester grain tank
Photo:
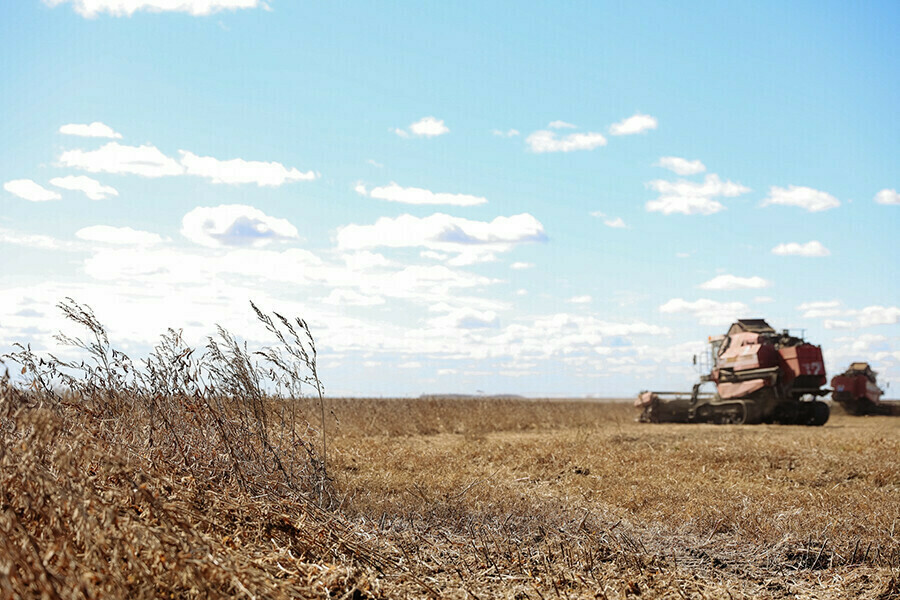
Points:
(760, 376)
(857, 391)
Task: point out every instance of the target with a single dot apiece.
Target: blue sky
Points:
(546, 199)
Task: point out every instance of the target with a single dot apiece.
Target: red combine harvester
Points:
(760, 375)
(856, 390)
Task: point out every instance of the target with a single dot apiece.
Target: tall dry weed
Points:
(191, 473)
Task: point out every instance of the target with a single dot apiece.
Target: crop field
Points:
(574, 499)
(185, 477)
(463, 498)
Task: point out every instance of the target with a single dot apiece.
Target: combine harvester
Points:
(760, 376)
(857, 391)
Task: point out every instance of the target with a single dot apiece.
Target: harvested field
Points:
(561, 499)
(187, 477)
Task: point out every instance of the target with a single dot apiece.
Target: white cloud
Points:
(120, 236)
(636, 123)
(113, 157)
(92, 188)
(234, 225)
(887, 196)
(810, 249)
(237, 170)
(507, 133)
(126, 8)
(560, 125)
(32, 240)
(29, 190)
(585, 299)
(520, 266)
(681, 166)
(465, 318)
(763, 299)
(424, 127)
(473, 241)
(413, 195)
(149, 161)
(818, 310)
(862, 343)
(733, 282)
(374, 163)
(871, 316)
(691, 198)
(616, 222)
(347, 297)
(545, 140)
(94, 130)
(707, 312)
(804, 197)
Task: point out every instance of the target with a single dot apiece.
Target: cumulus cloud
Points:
(616, 222)
(414, 195)
(585, 299)
(870, 316)
(681, 166)
(94, 130)
(733, 282)
(821, 309)
(32, 240)
(348, 297)
(545, 140)
(519, 266)
(119, 236)
(478, 240)
(809, 249)
(29, 190)
(507, 133)
(707, 312)
(234, 225)
(113, 157)
(91, 188)
(149, 161)
(863, 343)
(636, 123)
(692, 198)
(803, 197)
(237, 170)
(424, 127)
(560, 125)
(887, 196)
(126, 8)
(465, 318)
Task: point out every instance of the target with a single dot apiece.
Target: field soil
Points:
(509, 498)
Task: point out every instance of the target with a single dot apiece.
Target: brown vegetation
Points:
(193, 478)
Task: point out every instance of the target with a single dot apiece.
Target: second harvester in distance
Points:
(760, 376)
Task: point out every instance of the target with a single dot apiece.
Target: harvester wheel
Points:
(821, 412)
(733, 414)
